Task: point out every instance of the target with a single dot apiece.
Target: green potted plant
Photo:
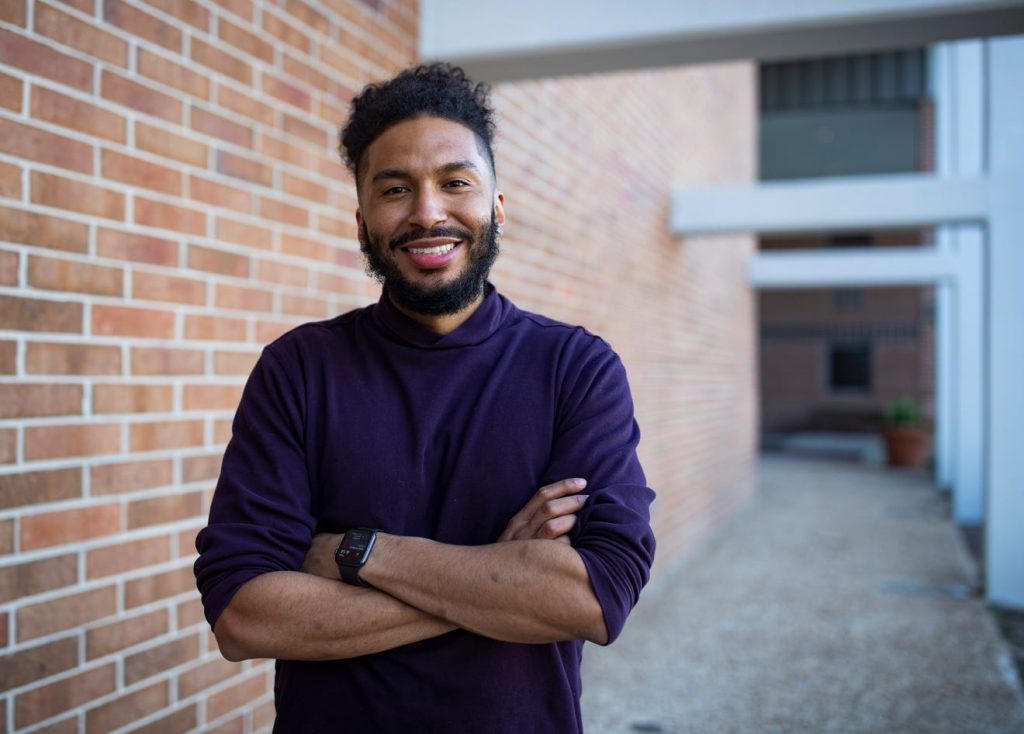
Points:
(907, 439)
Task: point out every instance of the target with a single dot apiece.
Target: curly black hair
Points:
(428, 90)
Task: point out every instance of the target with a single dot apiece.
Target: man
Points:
(377, 526)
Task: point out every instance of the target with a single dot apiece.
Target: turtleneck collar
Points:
(484, 321)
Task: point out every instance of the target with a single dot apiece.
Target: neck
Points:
(444, 323)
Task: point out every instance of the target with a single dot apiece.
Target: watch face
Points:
(355, 546)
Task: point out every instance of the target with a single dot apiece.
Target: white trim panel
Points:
(910, 200)
(890, 266)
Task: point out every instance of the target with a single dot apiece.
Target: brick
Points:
(6, 546)
(132, 399)
(234, 363)
(169, 145)
(243, 298)
(128, 321)
(138, 172)
(306, 131)
(299, 156)
(10, 181)
(190, 611)
(245, 105)
(139, 97)
(76, 196)
(35, 663)
(47, 701)
(305, 247)
(36, 577)
(135, 247)
(185, 719)
(279, 211)
(167, 361)
(60, 109)
(235, 696)
(305, 13)
(168, 216)
(57, 358)
(60, 527)
(341, 60)
(26, 141)
(222, 431)
(30, 314)
(17, 490)
(55, 442)
(286, 32)
(283, 273)
(286, 92)
(125, 632)
(85, 37)
(8, 453)
(8, 357)
(234, 726)
(172, 288)
(211, 397)
(142, 24)
(187, 10)
(66, 612)
(10, 262)
(242, 8)
(305, 306)
(67, 725)
(155, 660)
(338, 227)
(42, 230)
(268, 331)
(221, 61)
(159, 586)
(245, 41)
(263, 716)
(37, 58)
(130, 476)
(86, 6)
(69, 275)
(126, 709)
(34, 400)
(304, 188)
(215, 328)
(163, 70)
(221, 127)
(117, 559)
(250, 235)
(206, 676)
(309, 74)
(11, 92)
(243, 167)
(220, 195)
(14, 11)
(212, 260)
(154, 436)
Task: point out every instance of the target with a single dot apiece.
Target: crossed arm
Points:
(531, 586)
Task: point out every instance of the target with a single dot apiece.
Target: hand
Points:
(550, 513)
(320, 556)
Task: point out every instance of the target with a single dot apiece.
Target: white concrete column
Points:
(1005, 274)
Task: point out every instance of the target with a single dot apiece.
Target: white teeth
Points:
(439, 250)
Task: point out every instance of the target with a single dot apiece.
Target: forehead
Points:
(423, 143)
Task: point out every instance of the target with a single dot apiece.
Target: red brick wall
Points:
(171, 199)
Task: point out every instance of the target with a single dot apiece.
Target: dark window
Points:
(850, 366)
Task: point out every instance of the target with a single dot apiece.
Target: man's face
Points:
(428, 214)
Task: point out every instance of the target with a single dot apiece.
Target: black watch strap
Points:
(352, 553)
(350, 575)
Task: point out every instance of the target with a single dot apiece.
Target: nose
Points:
(427, 209)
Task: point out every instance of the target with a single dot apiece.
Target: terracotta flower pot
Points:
(906, 446)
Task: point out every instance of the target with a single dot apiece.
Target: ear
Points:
(499, 208)
(359, 218)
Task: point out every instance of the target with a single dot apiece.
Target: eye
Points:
(393, 190)
(456, 183)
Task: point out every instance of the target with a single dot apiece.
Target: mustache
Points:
(421, 234)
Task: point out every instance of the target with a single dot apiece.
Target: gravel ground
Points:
(840, 600)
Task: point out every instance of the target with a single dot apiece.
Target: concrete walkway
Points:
(840, 600)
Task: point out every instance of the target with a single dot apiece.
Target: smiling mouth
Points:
(437, 250)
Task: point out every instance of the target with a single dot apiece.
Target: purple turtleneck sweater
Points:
(370, 419)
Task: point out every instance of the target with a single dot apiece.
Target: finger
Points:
(552, 491)
(556, 527)
(553, 509)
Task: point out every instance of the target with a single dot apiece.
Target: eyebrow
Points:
(389, 173)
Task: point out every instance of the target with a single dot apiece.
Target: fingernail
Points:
(580, 483)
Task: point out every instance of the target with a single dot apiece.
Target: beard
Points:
(446, 298)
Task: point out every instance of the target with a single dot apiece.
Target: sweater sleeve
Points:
(260, 516)
(596, 438)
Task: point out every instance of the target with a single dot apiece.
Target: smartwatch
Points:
(352, 554)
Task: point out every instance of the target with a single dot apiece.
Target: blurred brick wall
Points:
(588, 166)
(171, 200)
